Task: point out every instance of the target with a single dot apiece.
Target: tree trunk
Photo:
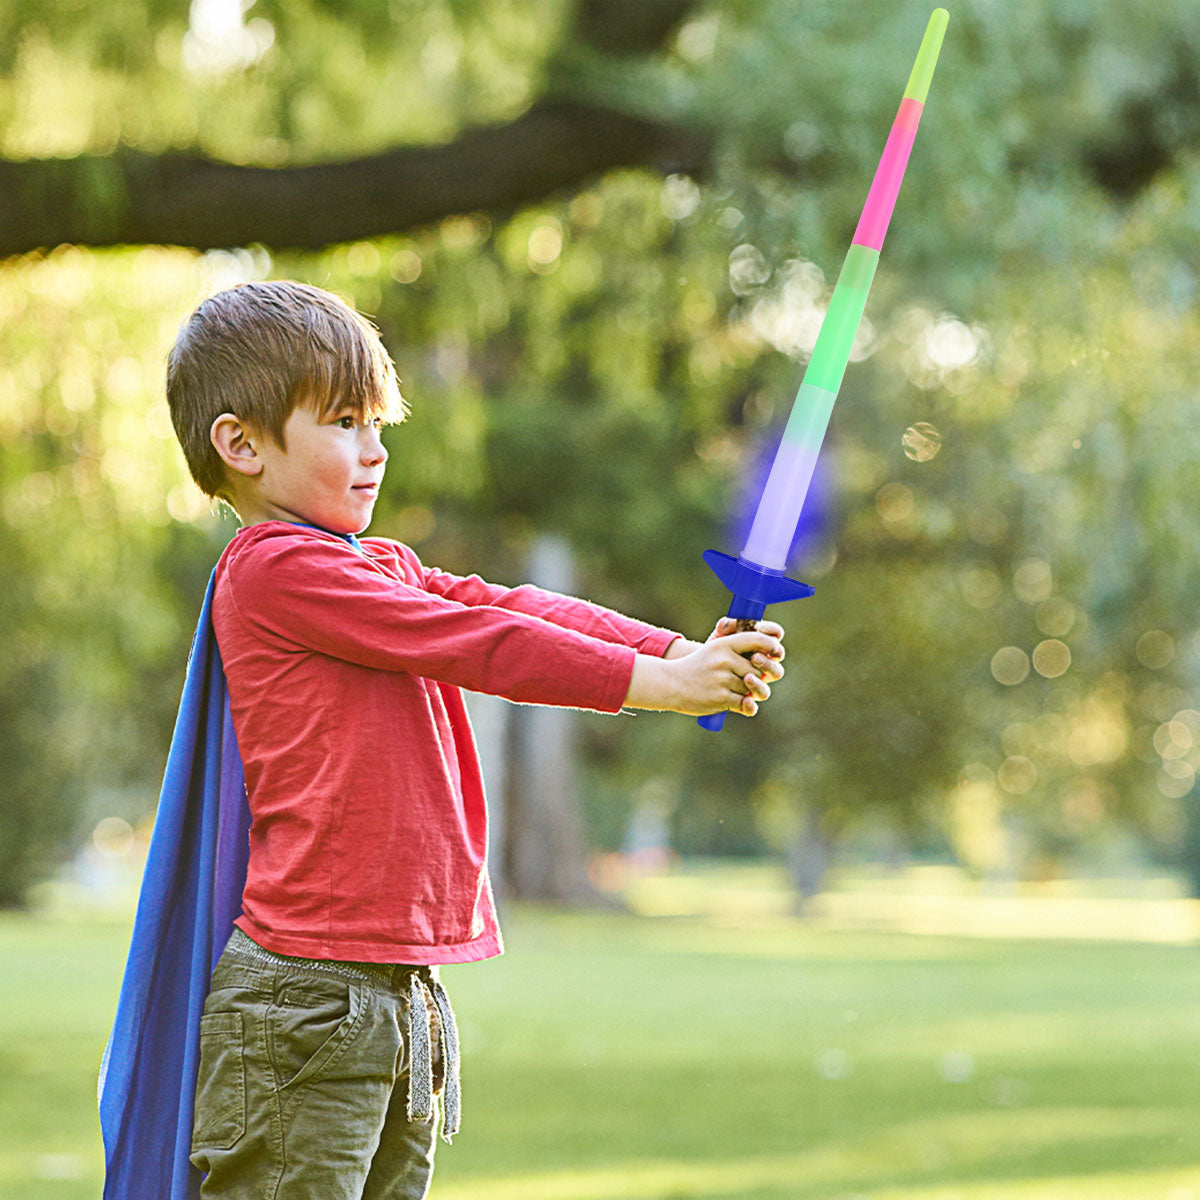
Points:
(544, 856)
(808, 858)
(490, 716)
(1189, 849)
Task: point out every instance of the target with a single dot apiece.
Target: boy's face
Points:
(328, 476)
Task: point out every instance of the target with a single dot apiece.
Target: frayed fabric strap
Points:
(424, 983)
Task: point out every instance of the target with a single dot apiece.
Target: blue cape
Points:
(191, 893)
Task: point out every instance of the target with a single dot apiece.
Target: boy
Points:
(326, 1031)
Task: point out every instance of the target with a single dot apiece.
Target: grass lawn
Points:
(732, 1054)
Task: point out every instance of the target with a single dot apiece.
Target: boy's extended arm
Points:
(304, 592)
(567, 611)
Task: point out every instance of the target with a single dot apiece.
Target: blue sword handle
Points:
(714, 721)
(753, 588)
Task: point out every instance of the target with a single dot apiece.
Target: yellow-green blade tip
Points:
(927, 56)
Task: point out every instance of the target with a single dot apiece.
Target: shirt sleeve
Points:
(318, 594)
(567, 612)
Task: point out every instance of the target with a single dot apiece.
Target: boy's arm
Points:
(569, 612)
(308, 593)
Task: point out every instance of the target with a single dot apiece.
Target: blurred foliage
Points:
(1003, 644)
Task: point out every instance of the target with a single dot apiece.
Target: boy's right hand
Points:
(717, 677)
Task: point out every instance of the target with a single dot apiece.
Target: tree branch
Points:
(628, 26)
(190, 200)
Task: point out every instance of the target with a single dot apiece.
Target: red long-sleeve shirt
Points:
(368, 839)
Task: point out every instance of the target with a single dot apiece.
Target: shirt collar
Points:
(346, 537)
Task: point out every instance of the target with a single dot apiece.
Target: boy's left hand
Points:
(770, 669)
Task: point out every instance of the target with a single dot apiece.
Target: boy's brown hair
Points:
(258, 350)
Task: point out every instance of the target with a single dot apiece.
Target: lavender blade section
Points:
(783, 495)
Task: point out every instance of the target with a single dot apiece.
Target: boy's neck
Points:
(307, 525)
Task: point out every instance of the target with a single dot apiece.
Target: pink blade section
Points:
(885, 187)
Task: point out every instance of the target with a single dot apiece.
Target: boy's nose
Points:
(374, 452)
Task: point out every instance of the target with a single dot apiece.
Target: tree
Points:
(576, 129)
(560, 141)
(639, 327)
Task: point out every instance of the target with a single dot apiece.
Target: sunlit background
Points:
(984, 753)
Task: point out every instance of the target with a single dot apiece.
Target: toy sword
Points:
(757, 576)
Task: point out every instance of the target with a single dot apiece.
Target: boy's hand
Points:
(726, 674)
(769, 665)
(727, 625)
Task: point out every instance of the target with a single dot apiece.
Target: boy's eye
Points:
(349, 422)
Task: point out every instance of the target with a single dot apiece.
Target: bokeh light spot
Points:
(545, 245)
(1055, 616)
(1017, 774)
(980, 586)
(921, 441)
(363, 259)
(832, 1064)
(956, 1066)
(1032, 580)
(405, 266)
(1173, 739)
(949, 343)
(895, 502)
(1176, 778)
(1051, 658)
(679, 198)
(113, 837)
(1010, 665)
(987, 526)
(748, 269)
(1155, 649)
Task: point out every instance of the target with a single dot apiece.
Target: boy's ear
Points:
(236, 444)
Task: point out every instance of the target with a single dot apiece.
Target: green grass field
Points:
(733, 1054)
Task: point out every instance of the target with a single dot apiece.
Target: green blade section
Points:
(832, 351)
(810, 417)
(927, 56)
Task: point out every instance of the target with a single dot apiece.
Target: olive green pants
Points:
(303, 1086)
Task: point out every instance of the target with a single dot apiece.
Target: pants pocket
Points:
(309, 1025)
(221, 1082)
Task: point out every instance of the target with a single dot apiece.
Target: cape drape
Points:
(191, 893)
